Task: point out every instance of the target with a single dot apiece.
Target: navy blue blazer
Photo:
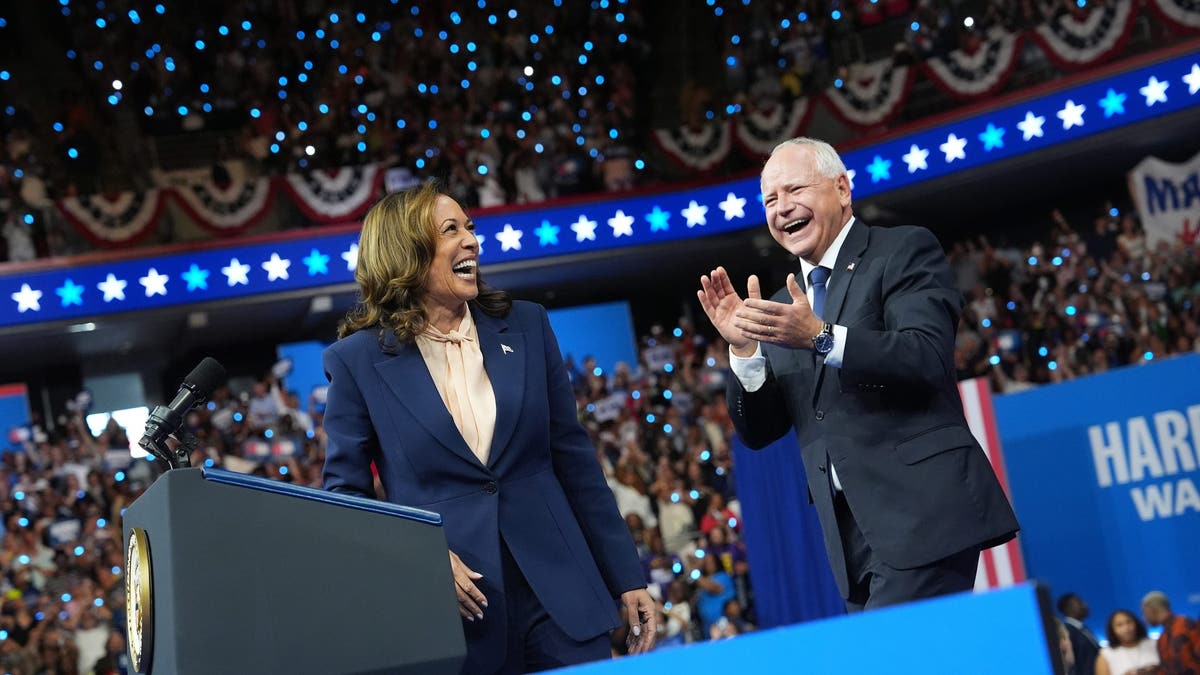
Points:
(542, 489)
(891, 417)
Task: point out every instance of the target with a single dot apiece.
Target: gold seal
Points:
(139, 595)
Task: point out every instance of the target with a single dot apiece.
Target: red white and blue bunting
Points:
(696, 150)
(336, 196)
(1073, 40)
(228, 210)
(871, 93)
(1183, 14)
(969, 76)
(116, 220)
(759, 130)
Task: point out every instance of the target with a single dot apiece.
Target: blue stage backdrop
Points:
(786, 554)
(1103, 473)
(603, 331)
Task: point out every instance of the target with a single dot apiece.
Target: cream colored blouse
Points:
(456, 364)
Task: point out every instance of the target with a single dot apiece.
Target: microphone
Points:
(166, 420)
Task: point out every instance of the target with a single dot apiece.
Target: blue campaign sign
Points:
(1104, 473)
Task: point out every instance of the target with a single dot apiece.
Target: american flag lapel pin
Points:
(505, 348)
(850, 267)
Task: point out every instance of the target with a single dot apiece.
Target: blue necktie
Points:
(817, 278)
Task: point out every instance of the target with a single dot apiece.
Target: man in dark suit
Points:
(856, 355)
(1083, 641)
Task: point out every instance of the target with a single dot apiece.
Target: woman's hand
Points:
(643, 620)
(471, 602)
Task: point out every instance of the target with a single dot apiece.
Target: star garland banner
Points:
(229, 210)
(695, 150)
(1087, 105)
(1072, 42)
(114, 221)
(970, 76)
(1183, 14)
(871, 93)
(336, 196)
(758, 131)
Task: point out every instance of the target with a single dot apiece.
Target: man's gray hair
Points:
(828, 163)
(1157, 598)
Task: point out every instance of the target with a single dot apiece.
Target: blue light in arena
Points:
(72, 153)
(1070, 310)
(98, 65)
(583, 59)
(492, 19)
(1149, 356)
(255, 113)
(512, 13)
(203, 88)
(994, 360)
(246, 25)
(358, 79)
(343, 69)
(302, 125)
(836, 14)
(433, 124)
(323, 109)
(915, 26)
(223, 29)
(360, 17)
(333, 18)
(400, 124)
(100, 23)
(362, 146)
(200, 45)
(4, 75)
(169, 64)
(160, 10)
(1042, 351)
(114, 99)
(455, 18)
(622, 38)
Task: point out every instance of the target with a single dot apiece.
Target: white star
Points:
(1192, 79)
(113, 288)
(155, 283)
(850, 174)
(509, 238)
(584, 228)
(621, 224)
(695, 214)
(733, 206)
(276, 267)
(1155, 91)
(27, 298)
(1032, 125)
(1071, 114)
(236, 273)
(915, 159)
(478, 240)
(953, 148)
(350, 255)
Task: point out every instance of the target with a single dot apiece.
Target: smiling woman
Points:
(459, 398)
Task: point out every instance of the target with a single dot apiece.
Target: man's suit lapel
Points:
(408, 377)
(504, 360)
(847, 264)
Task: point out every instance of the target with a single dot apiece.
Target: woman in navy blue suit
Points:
(460, 398)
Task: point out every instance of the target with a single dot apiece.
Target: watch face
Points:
(823, 343)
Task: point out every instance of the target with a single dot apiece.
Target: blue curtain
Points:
(789, 570)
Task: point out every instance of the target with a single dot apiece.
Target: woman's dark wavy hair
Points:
(395, 251)
(1139, 633)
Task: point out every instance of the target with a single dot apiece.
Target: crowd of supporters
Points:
(511, 104)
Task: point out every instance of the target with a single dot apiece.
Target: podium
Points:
(229, 573)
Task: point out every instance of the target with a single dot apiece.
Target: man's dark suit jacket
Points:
(890, 418)
(542, 488)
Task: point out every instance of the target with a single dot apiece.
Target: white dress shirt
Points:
(751, 371)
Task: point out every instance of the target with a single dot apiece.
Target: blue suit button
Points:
(491, 488)
(820, 415)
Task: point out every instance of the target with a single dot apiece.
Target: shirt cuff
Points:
(834, 358)
(751, 370)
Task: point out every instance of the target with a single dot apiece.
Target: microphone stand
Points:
(181, 456)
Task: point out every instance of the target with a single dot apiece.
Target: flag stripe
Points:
(1002, 565)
